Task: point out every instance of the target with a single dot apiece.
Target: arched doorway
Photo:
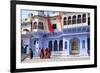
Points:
(50, 45)
(60, 45)
(55, 45)
(74, 46)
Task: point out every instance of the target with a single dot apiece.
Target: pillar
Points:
(68, 47)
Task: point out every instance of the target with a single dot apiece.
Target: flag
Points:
(50, 25)
(59, 23)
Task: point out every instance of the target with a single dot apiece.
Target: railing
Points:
(64, 31)
(76, 30)
(70, 31)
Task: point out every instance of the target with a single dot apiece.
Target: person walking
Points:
(31, 53)
(47, 53)
(42, 55)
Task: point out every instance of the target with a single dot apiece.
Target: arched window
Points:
(83, 18)
(64, 21)
(61, 45)
(40, 25)
(74, 20)
(35, 25)
(26, 30)
(83, 43)
(79, 19)
(65, 44)
(69, 20)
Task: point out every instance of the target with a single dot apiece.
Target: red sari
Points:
(47, 53)
(42, 53)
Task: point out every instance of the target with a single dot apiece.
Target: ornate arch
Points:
(74, 46)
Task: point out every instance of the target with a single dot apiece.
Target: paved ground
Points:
(56, 58)
(23, 56)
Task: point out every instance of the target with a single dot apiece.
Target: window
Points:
(69, 20)
(79, 19)
(25, 19)
(40, 25)
(83, 18)
(83, 43)
(88, 19)
(64, 21)
(66, 45)
(26, 30)
(54, 26)
(35, 25)
(74, 20)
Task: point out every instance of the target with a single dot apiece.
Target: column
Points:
(86, 47)
(63, 44)
(52, 45)
(68, 47)
(57, 45)
(83, 51)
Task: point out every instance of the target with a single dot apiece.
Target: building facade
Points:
(70, 35)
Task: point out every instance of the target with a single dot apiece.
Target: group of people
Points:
(44, 53)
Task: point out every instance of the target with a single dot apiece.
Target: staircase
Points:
(58, 53)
